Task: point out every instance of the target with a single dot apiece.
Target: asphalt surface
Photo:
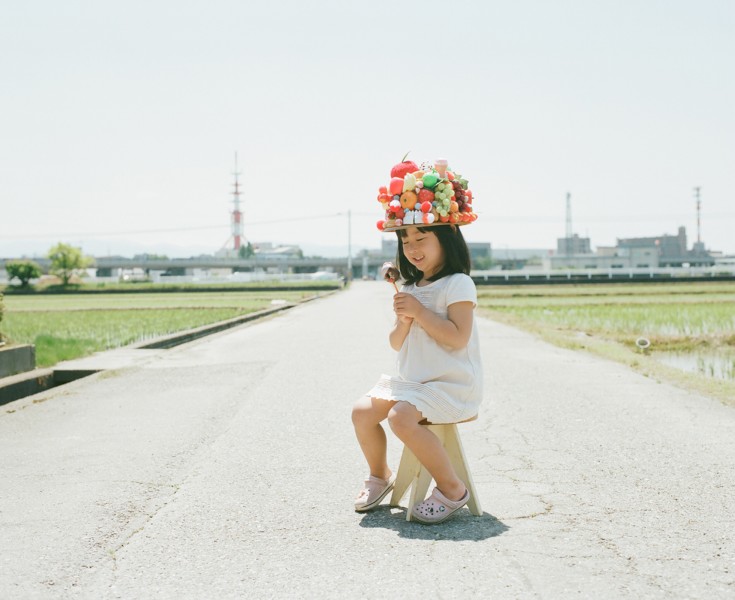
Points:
(226, 468)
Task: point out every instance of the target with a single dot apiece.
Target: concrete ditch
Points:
(17, 359)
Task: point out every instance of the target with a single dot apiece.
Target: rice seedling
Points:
(694, 320)
(63, 327)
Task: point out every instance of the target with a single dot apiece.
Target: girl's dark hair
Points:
(456, 253)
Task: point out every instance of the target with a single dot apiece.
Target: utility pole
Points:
(568, 244)
(349, 245)
(699, 210)
(236, 216)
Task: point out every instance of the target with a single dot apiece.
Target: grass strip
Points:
(73, 334)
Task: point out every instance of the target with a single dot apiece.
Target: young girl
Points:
(440, 374)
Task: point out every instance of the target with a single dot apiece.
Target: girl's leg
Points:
(366, 417)
(404, 420)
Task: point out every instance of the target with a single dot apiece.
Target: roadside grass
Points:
(65, 327)
(607, 320)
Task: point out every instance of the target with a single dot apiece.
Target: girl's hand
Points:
(406, 307)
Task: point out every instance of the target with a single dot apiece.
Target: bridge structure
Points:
(362, 266)
(367, 266)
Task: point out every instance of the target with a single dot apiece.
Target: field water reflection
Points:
(714, 364)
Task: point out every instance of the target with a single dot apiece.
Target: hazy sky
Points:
(119, 120)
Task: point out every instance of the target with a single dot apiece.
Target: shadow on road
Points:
(462, 527)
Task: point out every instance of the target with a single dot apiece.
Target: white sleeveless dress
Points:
(445, 385)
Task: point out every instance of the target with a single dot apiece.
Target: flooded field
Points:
(717, 365)
(688, 327)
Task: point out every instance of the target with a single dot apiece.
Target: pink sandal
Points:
(374, 491)
(437, 507)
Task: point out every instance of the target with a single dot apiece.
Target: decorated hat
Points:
(428, 195)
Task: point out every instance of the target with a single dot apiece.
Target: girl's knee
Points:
(366, 411)
(360, 413)
(403, 418)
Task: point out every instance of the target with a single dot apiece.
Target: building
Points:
(670, 250)
(568, 246)
(267, 250)
(636, 253)
(519, 258)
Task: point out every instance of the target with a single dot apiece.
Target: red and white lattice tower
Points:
(236, 220)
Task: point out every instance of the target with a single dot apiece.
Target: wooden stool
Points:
(411, 473)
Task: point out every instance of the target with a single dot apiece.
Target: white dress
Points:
(445, 385)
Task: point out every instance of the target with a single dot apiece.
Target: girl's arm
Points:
(400, 331)
(454, 331)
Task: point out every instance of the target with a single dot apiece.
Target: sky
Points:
(119, 121)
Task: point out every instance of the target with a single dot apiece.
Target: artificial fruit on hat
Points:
(396, 185)
(426, 195)
(403, 167)
(408, 200)
(430, 180)
(409, 182)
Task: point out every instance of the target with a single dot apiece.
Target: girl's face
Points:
(423, 251)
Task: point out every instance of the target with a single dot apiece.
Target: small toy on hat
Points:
(426, 196)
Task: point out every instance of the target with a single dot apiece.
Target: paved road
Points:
(226, 469)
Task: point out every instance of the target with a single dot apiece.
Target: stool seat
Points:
(427, 422)
(412, 474)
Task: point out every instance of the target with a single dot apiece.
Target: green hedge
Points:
(1, 317)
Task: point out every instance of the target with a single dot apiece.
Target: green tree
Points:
(23, 270)
(66, 261)
(246, 251)
(482, 263)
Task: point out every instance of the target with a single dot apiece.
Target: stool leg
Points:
(422, 481)
(458, 459)
(411, 473)
(408, 470)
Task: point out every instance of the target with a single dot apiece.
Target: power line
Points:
(548, 219)
(167, 230)
(601, 218)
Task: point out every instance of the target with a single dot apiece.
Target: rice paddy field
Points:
(688, 328)
(67, 326)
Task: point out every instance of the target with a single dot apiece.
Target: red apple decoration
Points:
(396, 186)
(403, 168)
